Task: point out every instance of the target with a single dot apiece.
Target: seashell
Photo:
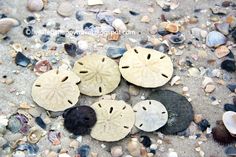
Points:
(228, 65)
(230, 151)
(14, 124)
(175, 80)
(95, 2)
(134, 13)
(116, 151)
(172, 27)
(229, 120)
(54, 137)
(114, 52)
(146, 141)
(195, 72)
(65, 9)
(17, 47)
(198, 33)
(42, 66)
(83, 151)
(230, 107)
(89, 26)
(215, 39)
(83, 118)
(22, 60)
(203, 125)
(177, 38)
(162, 47)
(34, 136)
(219, 11)
(7, 23)
(31, 149)
(40, 122)
(221, 134)
(30, 20)
(71, 49)
(45, 38)
(28, 31)
(79, 16)
(134, 147)
(171, 4)
(106, 17)
(119, 25)
(207, 81)
(221, 51)
(223, 28)
(232, 87)
(35, 5)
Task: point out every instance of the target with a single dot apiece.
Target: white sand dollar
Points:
(115, 120)
(56, 90)
(146, 67)
(150, 115)
(99, 74)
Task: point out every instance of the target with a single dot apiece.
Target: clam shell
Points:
(34, 136)
(229, 120)
(177, 38)
(215, 39)
(35, 5)
(7, 23)
(172, 27)
(65, 9)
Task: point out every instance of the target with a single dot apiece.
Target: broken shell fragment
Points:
(222, 51)
(99, 74)
(177, 38)
(7, 23)
(215, 39)
(115, 120)
(172, 27)
(229, 120)
(150, 115)
(156, 67)
(42, 67)
(56, 90)
(35, 5)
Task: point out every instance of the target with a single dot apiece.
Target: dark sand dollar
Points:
(180, 112)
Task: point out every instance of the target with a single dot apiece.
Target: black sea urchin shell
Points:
(79, 120)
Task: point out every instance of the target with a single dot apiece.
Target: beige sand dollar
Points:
(150, 115)
(56, 90)
(115, 120)
(99, 74)
(146, 67)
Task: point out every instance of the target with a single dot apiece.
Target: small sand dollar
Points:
(56, 90)
(150, 115)
(99, 74)
(115, 120)
(146, 67)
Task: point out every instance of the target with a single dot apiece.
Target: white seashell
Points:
(229, 120)
(119, 25)
(35, 5)
(65, 9)
(134, 147)
(207, 81)
(95, 2)
(116, 151)
(7, 23)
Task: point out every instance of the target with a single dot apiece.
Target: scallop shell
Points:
(35, 5)
(150, 115)
(34, 136)
(65, 9)
(99, 75)
(56, 90)
(115, 120)
(229, 120)
(146, 67)
(7, 23)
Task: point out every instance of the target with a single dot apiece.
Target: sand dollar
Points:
(56, 90)
(99, 74)
(150, 115)
(146, 67)
(115, 120)
(180, 110)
